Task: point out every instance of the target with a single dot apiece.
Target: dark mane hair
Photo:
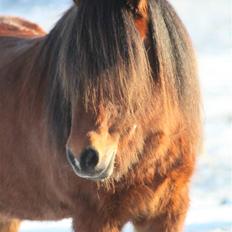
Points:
(177, 74)
(98, 56)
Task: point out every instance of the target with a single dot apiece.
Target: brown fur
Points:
(128, 85)
(9, 226)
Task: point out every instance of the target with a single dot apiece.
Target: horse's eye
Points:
(112, 130)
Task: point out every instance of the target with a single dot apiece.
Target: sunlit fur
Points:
(9, 226)
(101, 62)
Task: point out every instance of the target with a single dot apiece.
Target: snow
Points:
(210, 25)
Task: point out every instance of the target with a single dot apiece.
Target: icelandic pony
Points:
(100, 118)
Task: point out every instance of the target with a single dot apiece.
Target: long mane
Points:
(99, 56)
(177, 74)
(95, 54)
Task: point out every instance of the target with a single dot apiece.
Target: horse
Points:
(100, 119)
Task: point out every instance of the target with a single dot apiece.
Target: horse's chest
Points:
(136, 202)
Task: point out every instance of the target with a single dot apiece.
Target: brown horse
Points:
(99, 119)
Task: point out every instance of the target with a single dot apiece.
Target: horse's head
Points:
(107, 82)
(120, 65)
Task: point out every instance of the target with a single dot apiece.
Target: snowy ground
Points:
(210, 25)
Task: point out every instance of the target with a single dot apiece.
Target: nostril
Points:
(89, 159)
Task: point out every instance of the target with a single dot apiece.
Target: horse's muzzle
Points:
(90, 165)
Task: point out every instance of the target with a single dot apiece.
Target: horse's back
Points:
(16, 36)
(17, 27)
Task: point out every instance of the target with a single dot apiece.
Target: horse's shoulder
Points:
(17, 27)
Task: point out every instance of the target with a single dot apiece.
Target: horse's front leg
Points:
(170, 219)
(163, 223)
(9, 225)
